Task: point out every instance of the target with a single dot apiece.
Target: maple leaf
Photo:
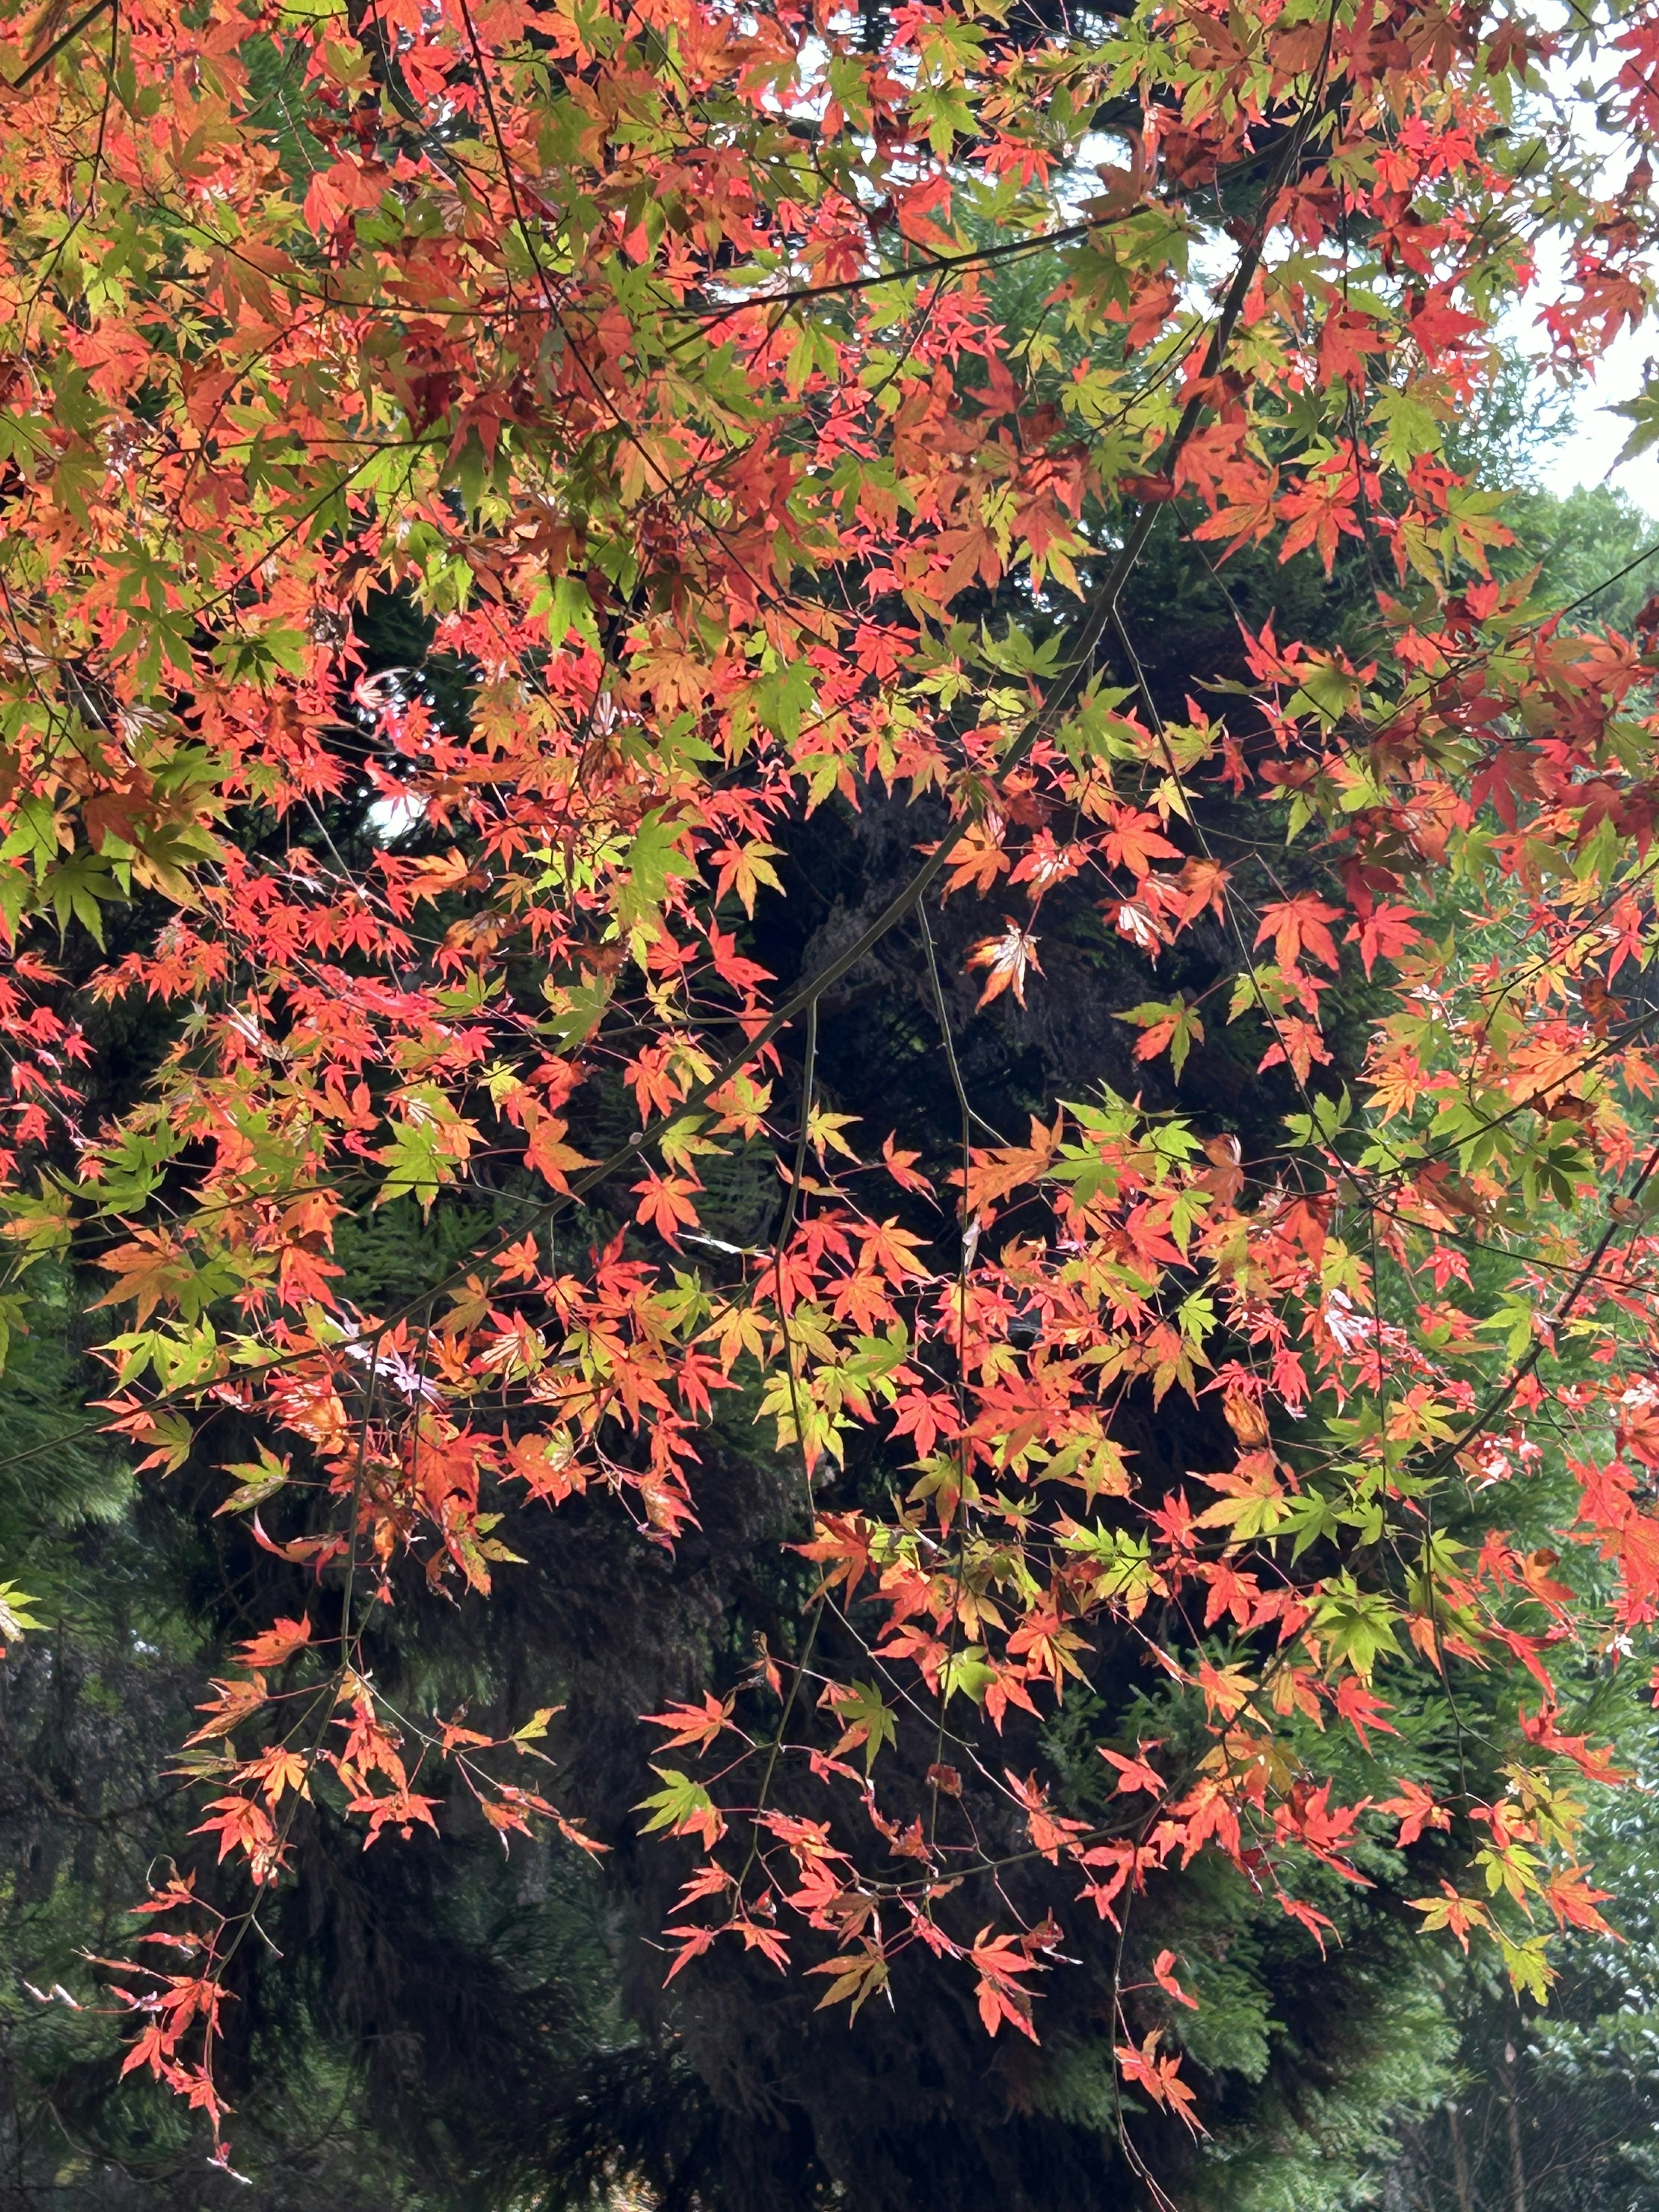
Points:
(682, 1806)
(1362, 1709)
(1159, 2076)
(978, 860)
(1164, 1975)
(1297, 923)
(857, 1976)
(236, 1700)
(153, 2048)
(280, 1769)
(1385, 932)
(697, 1725)
(901, 1167)
(1452, 1911)
(428, 1146)
(1417, 1809)
(548, 1464)
(666, 1205)
(865, 1719)
(1595, 1762)
(256, 1481)
(1133, 841)
(154, 1271)
(694, 1942)
(1345, 339)
(1573, 1901)
(998, 1962)
(1321, 512)
(1171, 1026)
(402, 1808)
(240, 1825)
(1007, 957)
(276, 1646)
(1251, 511)
(549, 1154)
(1134, 1773)
(823, 1131)
(1049, 1832)
(846, 1544)
(747, 867)
(15, 1615)
(506, 1819)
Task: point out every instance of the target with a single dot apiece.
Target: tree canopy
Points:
(830, 1184)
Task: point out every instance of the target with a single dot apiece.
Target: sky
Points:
(1587, 453)
(1591, 446)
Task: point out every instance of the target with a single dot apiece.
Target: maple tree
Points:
(653, 354)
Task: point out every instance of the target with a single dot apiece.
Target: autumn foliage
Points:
(650, 349)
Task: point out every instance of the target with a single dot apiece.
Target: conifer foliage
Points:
(652, 360)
